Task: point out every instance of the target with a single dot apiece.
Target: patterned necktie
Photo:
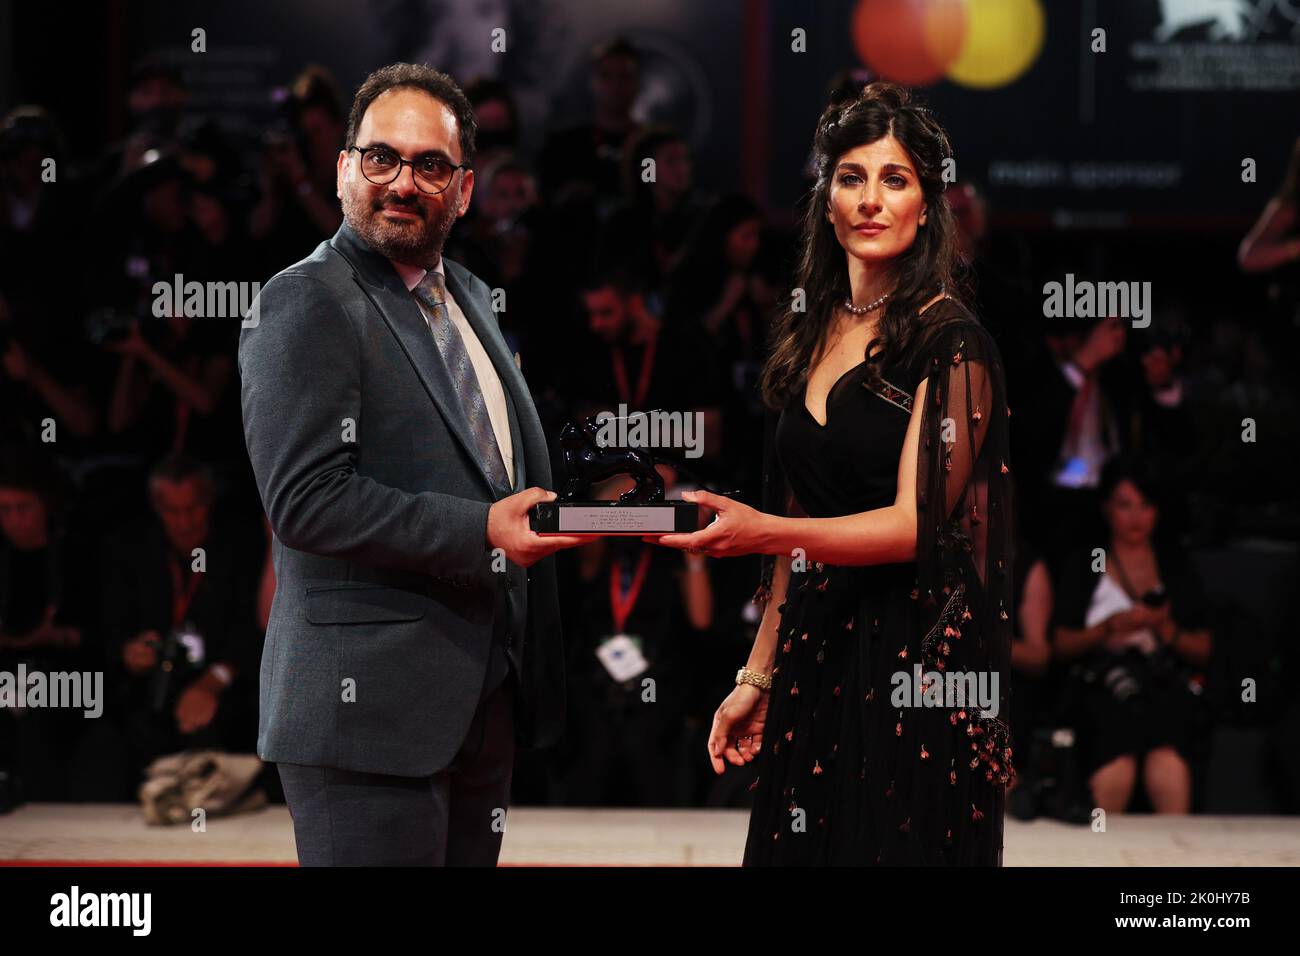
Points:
(432, 294)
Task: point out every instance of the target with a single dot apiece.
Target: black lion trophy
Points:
(641, 509)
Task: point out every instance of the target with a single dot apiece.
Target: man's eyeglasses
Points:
(381, 166)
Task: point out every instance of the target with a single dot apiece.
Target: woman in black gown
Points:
(886, 527)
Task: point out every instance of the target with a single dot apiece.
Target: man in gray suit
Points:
(415, 635)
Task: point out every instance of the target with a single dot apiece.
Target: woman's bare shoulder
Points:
(950, 330)
(938, 298)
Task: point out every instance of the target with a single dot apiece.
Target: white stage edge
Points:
(90, 833)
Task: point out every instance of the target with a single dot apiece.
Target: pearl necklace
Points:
(864, 309)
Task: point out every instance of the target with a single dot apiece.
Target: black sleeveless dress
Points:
(851, 770)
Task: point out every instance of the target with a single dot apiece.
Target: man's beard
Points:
(408, 241)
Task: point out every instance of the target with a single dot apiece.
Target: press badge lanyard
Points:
(643, 380)
(620, 604)
(181, 598)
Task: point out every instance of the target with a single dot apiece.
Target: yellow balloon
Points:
(1003, 39)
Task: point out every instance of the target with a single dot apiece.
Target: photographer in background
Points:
(1138, 633)
(180, 609)
(40, 196)
(298, 205)
(44, 367)
(174, 375)
(645, 613)
(43, 613)
(40, 378)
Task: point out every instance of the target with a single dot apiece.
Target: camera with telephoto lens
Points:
(108, 325)
(180, 655)
(1050, 784)
(1122, 680)
(111, 322)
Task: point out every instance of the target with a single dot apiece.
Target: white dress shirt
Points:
(1083, 453)
(494, 394)
(1108, 598)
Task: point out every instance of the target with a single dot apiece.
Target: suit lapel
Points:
(517, 443)
(395, 304)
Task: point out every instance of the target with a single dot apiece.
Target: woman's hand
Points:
(737, 733)
(1132, 628)
(735, 530)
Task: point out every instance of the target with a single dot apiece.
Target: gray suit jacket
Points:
(386, 590)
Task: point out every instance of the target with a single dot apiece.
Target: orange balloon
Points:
(947, 26)
(909, 41)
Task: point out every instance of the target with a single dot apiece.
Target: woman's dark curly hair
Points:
(932, 263)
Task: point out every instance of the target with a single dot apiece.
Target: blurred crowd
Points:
(123, 455)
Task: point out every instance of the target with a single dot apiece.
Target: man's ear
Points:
(466, 191)
(339, 168)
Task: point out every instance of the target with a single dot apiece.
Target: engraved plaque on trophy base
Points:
(614, 518)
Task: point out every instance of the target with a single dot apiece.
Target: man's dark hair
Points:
(610, 272)
(643, 144)
(617, 46)
(176, 467)
(26, 126)
(23, 468)
(484, 89)
(416, 76)
(154, 66)
(314, 88)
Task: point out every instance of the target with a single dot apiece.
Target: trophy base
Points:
(602, 518)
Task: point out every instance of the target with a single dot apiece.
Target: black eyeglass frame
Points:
(401, 162)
